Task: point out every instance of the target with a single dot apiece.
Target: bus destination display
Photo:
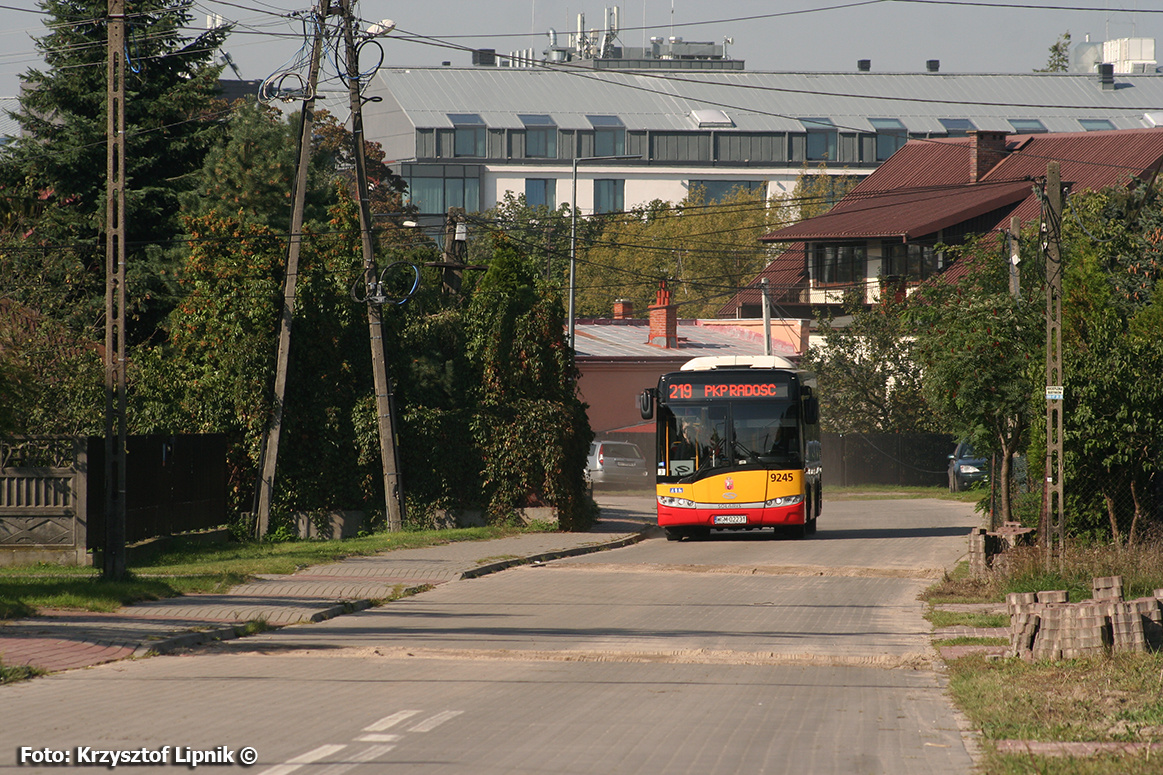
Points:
(687, 390)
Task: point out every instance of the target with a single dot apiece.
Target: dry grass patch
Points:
(1111, 699)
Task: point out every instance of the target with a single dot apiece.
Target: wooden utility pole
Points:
(1051, 528)
(115, 403)
(270, 454)
(393, 489)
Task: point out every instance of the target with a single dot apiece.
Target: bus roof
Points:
(713, 362)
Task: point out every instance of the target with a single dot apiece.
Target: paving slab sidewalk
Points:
(61, 640)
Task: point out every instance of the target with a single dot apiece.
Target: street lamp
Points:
(573, 233)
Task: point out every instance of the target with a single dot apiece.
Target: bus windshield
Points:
(699, 438)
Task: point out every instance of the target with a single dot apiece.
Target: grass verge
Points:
(1115, 699)
(185, 568)
(966, 619)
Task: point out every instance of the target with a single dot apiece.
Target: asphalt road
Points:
(740, 654)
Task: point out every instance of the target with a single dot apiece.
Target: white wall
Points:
(643, 184)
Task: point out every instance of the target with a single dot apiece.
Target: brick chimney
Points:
(623, 309)
(663, 319)
(986, 149)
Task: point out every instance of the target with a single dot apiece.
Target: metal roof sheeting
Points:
(627, 339)
(925, 186)
(908, 214)
(765, 102)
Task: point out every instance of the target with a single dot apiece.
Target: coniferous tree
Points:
(59, 159)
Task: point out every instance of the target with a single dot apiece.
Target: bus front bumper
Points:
(724, 516)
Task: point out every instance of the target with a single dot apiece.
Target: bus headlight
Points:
(675, 503)
(787, 500)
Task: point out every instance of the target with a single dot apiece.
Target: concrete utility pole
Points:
(115, 404)
(393, 489)
(1015, 257)
(1051, 528)
(270, 455)
(766, 317)
(455, 236)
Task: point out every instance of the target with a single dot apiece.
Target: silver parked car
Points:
(611, 462)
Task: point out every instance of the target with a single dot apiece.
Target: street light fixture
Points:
(573, 233)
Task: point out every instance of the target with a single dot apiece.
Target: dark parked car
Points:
(966, 468)
(612, 462)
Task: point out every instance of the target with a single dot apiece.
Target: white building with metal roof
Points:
(466, 136)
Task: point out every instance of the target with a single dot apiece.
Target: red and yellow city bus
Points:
(738, 445)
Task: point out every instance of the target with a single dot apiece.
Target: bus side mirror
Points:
(812, 411)
(646, 403)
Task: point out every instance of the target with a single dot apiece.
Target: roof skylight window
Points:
(1027, 126)
(1096, 124)
(711, 117)
(817, 124)
(466, 119)
(536, 119)
(605, 121)
(957, 126)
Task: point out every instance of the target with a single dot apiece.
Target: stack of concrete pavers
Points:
(979, 556)
(1045, 625)
(985, 545)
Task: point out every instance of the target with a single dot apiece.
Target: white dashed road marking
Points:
(387, 722)
(372, 733)
(371, 754)
(435, 721)
(307, 758)
(378, 738)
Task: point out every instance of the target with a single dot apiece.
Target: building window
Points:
(609, 135)
(838, 264)
(822, 139)
(718, 190)
(540, 136)
(957, 127)
(541, 191)
(609, 196)
(435, 188)
(469, 129)
(1027, 126)
(911, 261)
(1095, 124)
(890, 136)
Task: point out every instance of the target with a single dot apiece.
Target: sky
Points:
(967, 36)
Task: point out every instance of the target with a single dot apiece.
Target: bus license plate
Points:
(730, 519)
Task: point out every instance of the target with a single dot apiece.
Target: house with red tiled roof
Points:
(887, 231)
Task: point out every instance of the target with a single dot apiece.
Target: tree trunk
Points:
(1005, 475)
(1110, 513)
(1138, 510)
